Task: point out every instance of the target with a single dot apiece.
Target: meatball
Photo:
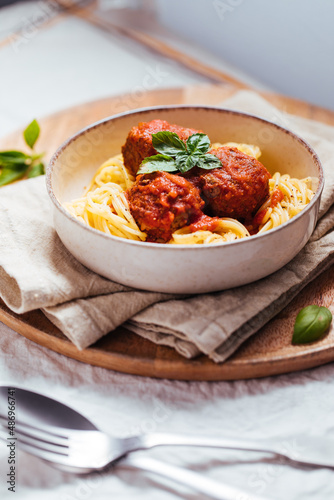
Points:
(194, 176)
(161, 203)
(138, 144)
(238, 188)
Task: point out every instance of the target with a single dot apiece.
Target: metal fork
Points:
(87, 451)
(65, 443)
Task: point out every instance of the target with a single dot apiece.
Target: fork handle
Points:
(195, 481)
(166, 439)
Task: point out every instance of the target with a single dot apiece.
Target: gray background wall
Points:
(286, 44)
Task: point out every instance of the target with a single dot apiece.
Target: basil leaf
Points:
(13, 154)
(14, 164)
(8, 158)
(36, 170)
(198, 143)
(37, 156)
(208, 162)
(31, 133)
(311, 323)
(168, 143)
(9, 175)
(185, 162)
(157, 163)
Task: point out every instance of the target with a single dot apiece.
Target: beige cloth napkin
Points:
(36, 271)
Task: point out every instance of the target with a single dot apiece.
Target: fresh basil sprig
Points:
(174, 155)
(15, 164)
(311, 323)
(31, 134)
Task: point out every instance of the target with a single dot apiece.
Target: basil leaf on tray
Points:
(175, 155)
(8, 158)
(311, 323)
(9, 175)
(31, 133)
(16, 164)
(36, 170)
(13, 154)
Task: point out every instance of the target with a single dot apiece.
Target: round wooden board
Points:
(268, 352)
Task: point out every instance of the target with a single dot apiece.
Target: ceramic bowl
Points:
(182, 268)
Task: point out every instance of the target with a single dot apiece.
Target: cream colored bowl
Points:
(181, 268)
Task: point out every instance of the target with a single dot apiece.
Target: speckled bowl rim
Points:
(181, 247)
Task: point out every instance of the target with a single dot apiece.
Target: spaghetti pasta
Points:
(296, 195)
(104, 205)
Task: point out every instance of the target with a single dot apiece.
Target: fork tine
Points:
(86, 458)
(38, 443)
(79, 443)
(38, 452)
(51, 434)
(53, 430)
(39, 434)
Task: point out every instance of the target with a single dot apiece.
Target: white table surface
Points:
(63, 65)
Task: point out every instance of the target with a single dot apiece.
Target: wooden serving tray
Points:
(268, 352)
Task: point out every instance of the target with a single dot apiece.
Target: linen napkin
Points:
(36, 270)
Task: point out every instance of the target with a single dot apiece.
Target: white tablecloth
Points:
(123, 405)
(58, 67)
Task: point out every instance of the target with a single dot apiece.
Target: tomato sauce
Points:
(239, 188)
(204, 223)
(161, 203)
(138, 144)
(276, 197)
(257, 221)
